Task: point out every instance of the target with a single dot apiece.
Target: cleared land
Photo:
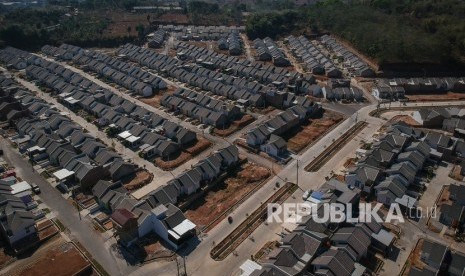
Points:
(187, 154)
(155, 99)
(233, 240)
(137, 180)
(307, 134)
(405, 119)
(319, 162)
(63, 260)
(414, 259)
(449, 96)
(235, 126)
(213, 207)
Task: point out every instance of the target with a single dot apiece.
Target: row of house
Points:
(198, 33)
(205, 171)
(10, 106)
(133, 219)
(232, 43)
(266, 136)
(149, 132)
(397, 88)
(201, 107)
(389, 169)
(313, 59)
(64, 52)
(156, 39)
(351, 62)
(13, 58)
(325, 248)
(129, 76)
(263, 73)
(449, 119)
(45, 134)
(196, 76)
(268, 50)
(135, 126)
(157, 212)
(350, 93)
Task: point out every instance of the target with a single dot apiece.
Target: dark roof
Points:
(457, 264)
(432, 251)
(122, 216)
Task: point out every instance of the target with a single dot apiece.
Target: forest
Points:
(389, 31)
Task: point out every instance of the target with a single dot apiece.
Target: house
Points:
(16, 223)
(457, 194)
(284, 260)
(389, 189)
(353, 240)
(333, 262)
(457, 264)
(120, 169)
(258, 136)
(431, 118)
(275, 146)
(452, 215)
(433, 254)
(363, 177)
(125, 225)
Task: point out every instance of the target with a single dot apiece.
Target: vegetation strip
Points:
(238, 235)
(321, 160)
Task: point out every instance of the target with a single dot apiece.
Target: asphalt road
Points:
(81, 230)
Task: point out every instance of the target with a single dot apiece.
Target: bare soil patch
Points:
(121, 21)
(405, 119)
(187, 154)
(137, 180)
(449, 96)
(5, 258)
(455, 173)
(235, 126)
(227, 194)
(173, 18)
(311, 132)
(155, 100)
(414, 258)
(64, 260)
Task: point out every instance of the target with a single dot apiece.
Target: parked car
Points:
(35, 188)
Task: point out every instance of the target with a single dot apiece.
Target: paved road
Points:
(199, 261)
(81, 230)
(161, 177)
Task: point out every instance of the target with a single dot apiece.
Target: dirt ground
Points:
(414, 259)
(311, 132)
(138, 180)
(449, 96)
(47, 232)
(173, 18)
(187, 154)
(235, 126)
(120, 21)
(64, 260)
(5, 259)
(225, 195)
(455, 173)
(406, 119)
(155, 99)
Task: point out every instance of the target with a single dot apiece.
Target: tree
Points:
(140, 30)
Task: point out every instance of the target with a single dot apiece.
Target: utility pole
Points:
(297, 173)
